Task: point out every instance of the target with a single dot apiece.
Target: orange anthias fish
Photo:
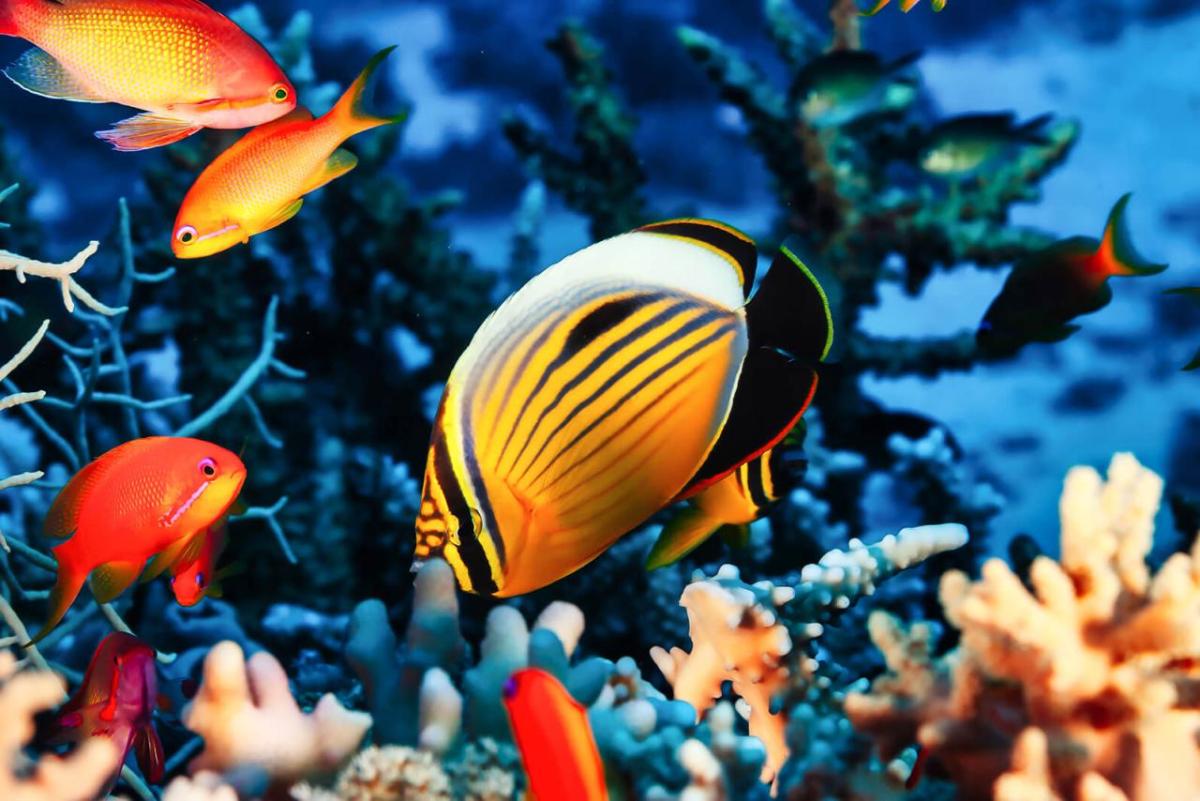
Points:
(194, 573)
(905, 6)
(554, 737)
(260, 181)
(187, 66)
(129, 504)
(1053, 286)
(116, 700)
(628, 376)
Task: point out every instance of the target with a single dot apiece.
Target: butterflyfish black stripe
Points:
(584, 371)
(469, 548)
(738, 248)
(479, 489)
(670, 338)
(721, 332)
(754, 483)
(630, 469)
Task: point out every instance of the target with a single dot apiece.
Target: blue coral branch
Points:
(269, 514)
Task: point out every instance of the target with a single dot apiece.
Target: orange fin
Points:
(282, 215)
(1116, 253)
(682, 534)
(350, 112)
(341, 162)
(113, 578)
(181, 551)
(38, 72)
(66, 589)
(146, 131)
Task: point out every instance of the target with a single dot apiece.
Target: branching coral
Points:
(1083, 688)
(248, 717)
(79, 777)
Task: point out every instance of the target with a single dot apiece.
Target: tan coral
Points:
(388, 773)
(204, 786)
(247, 716)
(1096, 672)
(79, 777)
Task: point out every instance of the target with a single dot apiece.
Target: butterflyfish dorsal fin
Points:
(726, 241)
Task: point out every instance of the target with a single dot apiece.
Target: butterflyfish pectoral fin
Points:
(38, 72)
(147, 131)
(682, 534)
(113, 578)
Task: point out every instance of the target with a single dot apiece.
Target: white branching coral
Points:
(204, 786)
(79, 777)
(63, 273)
(744, 634)
(247, 716)
(19, 398)
(1086, 688)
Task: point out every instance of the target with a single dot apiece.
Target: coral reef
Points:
(1080, 688)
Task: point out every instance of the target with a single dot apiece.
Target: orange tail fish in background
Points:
(905, 6)
(185, 65)
(552, 732)
(116, 700)
(193, 566)
(128, 505)
(261, 180)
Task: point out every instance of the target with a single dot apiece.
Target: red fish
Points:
(128, 505)
(182, 63)
(116, 700)
(555, 739)
(194, 574)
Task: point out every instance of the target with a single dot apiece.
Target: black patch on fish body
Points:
(469, 548)
(600, 320)
(736, 246)
(754, 483)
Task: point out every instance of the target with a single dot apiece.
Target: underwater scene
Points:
(631, 400)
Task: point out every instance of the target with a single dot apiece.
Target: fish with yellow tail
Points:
(1048, 289)
(733, 503)
(184, 64)
(905, 6)
(260, 182)
(551, 729)
(129, 504)
(629, 375)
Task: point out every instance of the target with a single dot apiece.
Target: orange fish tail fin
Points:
(1116, 254)
(350, 112)
(66, 589)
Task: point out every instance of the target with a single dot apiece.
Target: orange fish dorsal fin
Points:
(63, 518)
(297, 115)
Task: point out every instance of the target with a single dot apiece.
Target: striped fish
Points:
(731, 504)
(628, 375)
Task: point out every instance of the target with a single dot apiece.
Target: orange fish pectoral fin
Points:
(38, 72)
(146, 131)
(341, 162)
(149, 750)
(682, 534)
(282, 215)
(180, 551)
(66, 589)
(113, 578)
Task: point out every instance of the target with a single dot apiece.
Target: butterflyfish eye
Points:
(280, 93)
(186, 235)
(208, 468)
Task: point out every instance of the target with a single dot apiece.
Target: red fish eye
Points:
(208, 467)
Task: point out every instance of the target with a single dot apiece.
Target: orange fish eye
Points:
(280, 93)
(208, 467)
(186, 235)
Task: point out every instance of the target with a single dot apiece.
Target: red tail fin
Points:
(8, 25)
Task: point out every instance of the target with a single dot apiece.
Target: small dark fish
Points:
(1048, 289)
(842, 86)
(963, 146)
(1194, 293)
(1090, 395)
(117, 700)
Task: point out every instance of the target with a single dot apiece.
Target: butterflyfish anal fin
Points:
(725, 240)
(772, 393)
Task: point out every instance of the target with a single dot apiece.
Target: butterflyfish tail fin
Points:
(351, 110)
(1117, 254)
(67, 585)
(792, 311)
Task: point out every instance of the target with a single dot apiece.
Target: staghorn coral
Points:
(1083, 688)
(79, 777)
(247, 716)
(744, 633)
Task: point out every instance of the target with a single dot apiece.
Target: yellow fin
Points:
(113, 578)
(680, 536)
(341, 162)
(283, 215)
(184, 549)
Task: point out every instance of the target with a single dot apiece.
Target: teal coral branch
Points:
(796, 38)
(270, 515)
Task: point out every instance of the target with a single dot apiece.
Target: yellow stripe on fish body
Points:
(583, 405)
